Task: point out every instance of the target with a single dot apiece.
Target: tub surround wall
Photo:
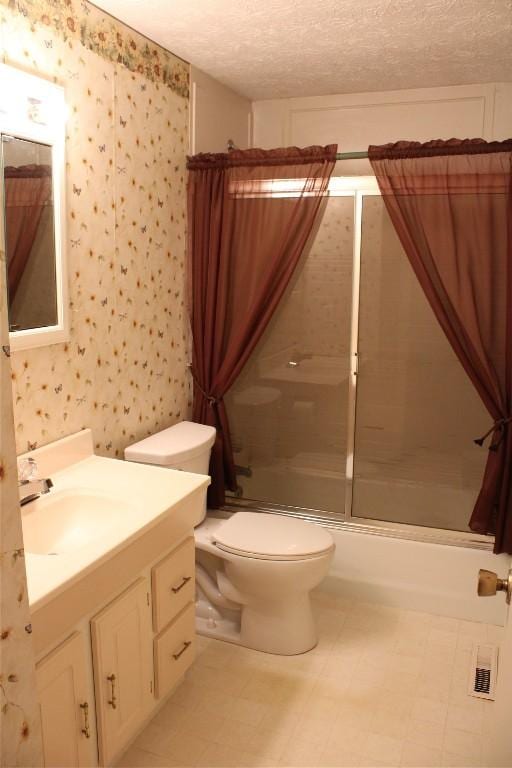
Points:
(123, 372)
(20, 736)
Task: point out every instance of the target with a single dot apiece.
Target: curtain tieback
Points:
(499, 425)
(209, 398)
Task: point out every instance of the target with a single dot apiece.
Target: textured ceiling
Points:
(275, 48)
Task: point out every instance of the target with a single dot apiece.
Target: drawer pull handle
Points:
(186, 579)
(86, 729)
(186, 645)
(113, 700)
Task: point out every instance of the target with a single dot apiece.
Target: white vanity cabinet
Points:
(67, 706)
(100, 687)
(112, 607)
(121, 637)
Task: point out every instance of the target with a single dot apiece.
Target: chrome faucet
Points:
(30, 486)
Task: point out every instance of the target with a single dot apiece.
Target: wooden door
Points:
(66, 705)
(497, 731)
(123, 668)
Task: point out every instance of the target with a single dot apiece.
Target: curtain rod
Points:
(339, 155)
(351, 155)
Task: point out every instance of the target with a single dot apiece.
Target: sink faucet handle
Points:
(27, 470)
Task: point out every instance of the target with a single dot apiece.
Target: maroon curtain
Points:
(451, 205)
(246, 236)
(27, 189)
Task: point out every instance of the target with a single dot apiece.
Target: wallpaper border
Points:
(107, 37)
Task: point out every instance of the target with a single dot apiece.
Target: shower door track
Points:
(359, 187)
(369, 526)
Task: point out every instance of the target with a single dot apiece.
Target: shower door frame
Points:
(358, 187)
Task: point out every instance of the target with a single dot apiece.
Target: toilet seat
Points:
(272, 537)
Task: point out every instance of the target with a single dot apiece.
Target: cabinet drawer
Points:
(173, 584)
(175, 650)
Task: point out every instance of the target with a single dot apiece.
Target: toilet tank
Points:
(184, 446)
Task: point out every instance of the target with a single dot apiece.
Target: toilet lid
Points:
(272, 537)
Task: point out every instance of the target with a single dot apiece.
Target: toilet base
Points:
(223, 629)
(281, 629)
(284, 628)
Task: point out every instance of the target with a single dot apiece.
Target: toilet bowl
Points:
(254, 571)
(264, 567)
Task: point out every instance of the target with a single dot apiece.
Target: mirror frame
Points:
(34, 109)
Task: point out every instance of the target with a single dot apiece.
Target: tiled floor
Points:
(384, 687)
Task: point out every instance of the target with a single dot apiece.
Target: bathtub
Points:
(414, 575)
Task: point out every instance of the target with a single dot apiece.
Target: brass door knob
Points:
(489, 583)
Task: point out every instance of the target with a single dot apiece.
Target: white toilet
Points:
(254, 571)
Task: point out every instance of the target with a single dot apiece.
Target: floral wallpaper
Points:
(123, 372)
(20, 735)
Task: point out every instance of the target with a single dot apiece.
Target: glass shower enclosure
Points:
(353, 409)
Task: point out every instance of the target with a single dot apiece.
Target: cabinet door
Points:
(66, 705)
(123, 670)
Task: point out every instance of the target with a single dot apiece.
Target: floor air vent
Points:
(484, 667)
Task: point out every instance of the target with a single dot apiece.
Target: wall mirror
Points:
(32, 128)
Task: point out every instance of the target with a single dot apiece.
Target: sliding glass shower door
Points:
(417, 412)
(288, 409)
(354, 406)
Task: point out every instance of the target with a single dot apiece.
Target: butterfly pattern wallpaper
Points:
(19, 712)
(124, 371)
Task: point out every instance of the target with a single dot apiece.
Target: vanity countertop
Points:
(125, 501)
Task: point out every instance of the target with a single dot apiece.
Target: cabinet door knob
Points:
(86, 729)
(185, 580)
(186, 645)
(113, 700)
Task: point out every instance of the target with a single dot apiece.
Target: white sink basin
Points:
(61, 522)
(97, 510)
